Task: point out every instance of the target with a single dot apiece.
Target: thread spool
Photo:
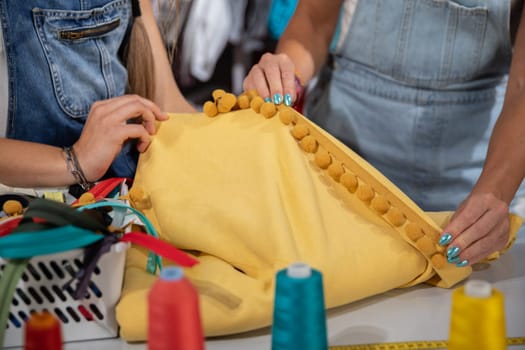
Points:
(478, 318)
(299, 320)
(42, 332)
(173, 313)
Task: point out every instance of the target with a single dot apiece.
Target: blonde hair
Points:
(139, 62)
(139, 56)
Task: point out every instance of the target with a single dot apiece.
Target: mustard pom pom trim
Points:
(351, 175)
(12, 207)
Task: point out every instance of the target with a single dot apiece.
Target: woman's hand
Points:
(109, 125)
(274, 79)
(301, 50)
(479, 227)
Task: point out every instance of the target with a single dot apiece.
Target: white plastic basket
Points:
(43, 287)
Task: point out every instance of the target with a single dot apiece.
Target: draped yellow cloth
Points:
(249, 194)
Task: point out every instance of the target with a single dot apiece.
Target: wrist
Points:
(503, 189)
(74, 167)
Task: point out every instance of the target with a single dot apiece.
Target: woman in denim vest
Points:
(422, 89)
(68, 118)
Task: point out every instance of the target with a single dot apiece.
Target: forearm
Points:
(27, 164)
(505, 164)
(504, 170)
(307, 37)
(167, 94)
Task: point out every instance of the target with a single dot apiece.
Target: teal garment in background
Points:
(280, 14)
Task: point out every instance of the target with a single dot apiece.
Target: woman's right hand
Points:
(109, 125)
(273, 77)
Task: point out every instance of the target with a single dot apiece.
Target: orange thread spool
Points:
(42, 332)
(173, 313)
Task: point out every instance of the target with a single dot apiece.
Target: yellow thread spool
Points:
(478, 318)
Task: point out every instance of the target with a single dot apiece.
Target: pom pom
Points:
(414, 232)
(323, 158)
(86, 198)
(308, 144)
(226, 103)
(365, 192)
(217, 93)
(12, 207)
(300, 131)
(268, 109)
(287, 116)
(396, 217)
(425, 245)
(243, 101)
(136, 194)
(349, 181)
(380, 204)
(335, 170)
(210, 109)
(256, 104)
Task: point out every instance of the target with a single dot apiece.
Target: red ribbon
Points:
(160, 247)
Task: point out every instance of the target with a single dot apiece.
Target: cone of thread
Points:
(478, 318)
(42, 332)
(299, 320)
(174, 320)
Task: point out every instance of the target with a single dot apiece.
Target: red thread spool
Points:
(173, 313)
(42, 332)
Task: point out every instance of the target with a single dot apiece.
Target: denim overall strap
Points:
(62, 56)
(416, 89)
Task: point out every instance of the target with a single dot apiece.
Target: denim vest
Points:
(62, 56)
(416, 89)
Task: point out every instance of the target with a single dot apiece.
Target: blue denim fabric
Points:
(431, 43)
(416, 90)
(62, 56)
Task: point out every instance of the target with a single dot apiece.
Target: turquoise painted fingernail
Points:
(452, 252)
(288, 100)
(267, 99)
(445, 239)
(277, 99)
(453, 260)
(462, 263)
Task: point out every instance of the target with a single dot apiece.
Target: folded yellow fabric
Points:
(253, 190)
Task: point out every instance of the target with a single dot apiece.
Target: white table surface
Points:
(418, 313)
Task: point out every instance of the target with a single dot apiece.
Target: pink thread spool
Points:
(173, 313)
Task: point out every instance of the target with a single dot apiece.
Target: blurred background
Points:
(214, 43)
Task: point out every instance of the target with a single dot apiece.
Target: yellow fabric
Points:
(239, 192)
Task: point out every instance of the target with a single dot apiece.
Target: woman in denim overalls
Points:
(416, 87)
(62, 57)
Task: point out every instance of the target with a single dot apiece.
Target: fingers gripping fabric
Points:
(250, 187)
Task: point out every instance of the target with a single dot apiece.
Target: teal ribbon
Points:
(62, 229)
(21, 245)
(154, 261)
(34, 238)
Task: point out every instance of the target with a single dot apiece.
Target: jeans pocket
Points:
(82, 51)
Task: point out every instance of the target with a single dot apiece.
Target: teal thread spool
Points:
(299, 319)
